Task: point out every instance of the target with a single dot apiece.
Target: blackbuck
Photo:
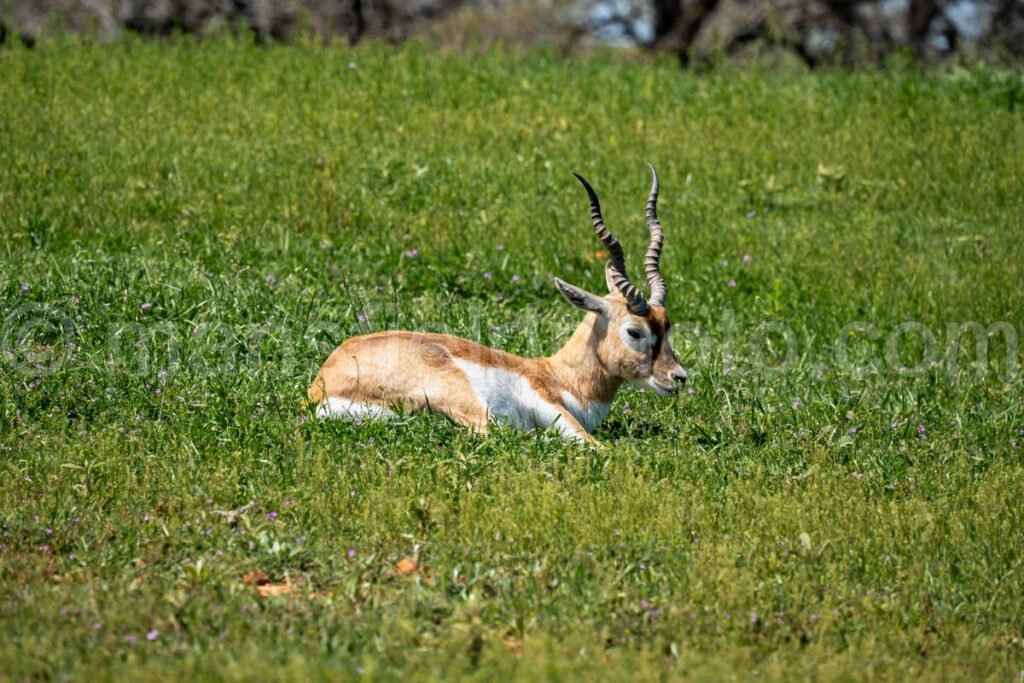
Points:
(624, 337)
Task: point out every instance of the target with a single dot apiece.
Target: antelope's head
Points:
(631, 331)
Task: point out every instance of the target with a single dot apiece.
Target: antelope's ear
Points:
(581, 298)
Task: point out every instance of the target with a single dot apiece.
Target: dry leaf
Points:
(514, 645)
(405, 566)
(269, 590)
(255, 578)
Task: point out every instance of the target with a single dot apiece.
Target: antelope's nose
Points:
(679, 377)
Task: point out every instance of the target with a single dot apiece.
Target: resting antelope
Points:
(623, 337)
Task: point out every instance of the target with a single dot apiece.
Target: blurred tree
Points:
(816, 31)
(829, 31)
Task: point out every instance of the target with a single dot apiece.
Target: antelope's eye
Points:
(634, 333)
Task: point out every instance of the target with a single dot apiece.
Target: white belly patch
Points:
(509, 399)
(344, 409)
(589, 414)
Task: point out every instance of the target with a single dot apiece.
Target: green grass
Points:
(263, 201)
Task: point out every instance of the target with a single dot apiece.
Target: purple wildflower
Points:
(152, 634)
(24, 287)
(411, 253)
(853, 430)
(270, 279)
(131, 639)
(653, 613)
(351, 553)
(643, 603)
(487, 275)
(499, 298)
(731, 283)
(515, 278)
(272, 515)
(746, 258)
(753, 618)
(145, 305)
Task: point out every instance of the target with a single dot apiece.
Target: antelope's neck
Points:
(579, 369)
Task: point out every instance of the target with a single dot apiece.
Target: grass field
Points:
(187, 230)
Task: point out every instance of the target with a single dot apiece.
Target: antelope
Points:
(624, 337)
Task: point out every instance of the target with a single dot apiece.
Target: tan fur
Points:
(414, 370)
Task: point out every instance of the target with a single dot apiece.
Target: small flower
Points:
(358, 422)
(487, 275)
(753, 618)
(161, 374)
(857, 474)
(272, 515)
(853, 430)
(97, 626)
(152, 634)
(270, 279)
(746, 258)
(499, 298)
(131, 639)
(411, 253)
(501, 246)
(24, 288)
(495, 328)
(74, 519)
(352, 65)
(895, 424)
(731, 283)
(728, 615)
(362, 317)
(653, 613)
(515, 278)
(146, 305)
(643, 603)
(75, 299)
(351, 553)
(751, 213)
